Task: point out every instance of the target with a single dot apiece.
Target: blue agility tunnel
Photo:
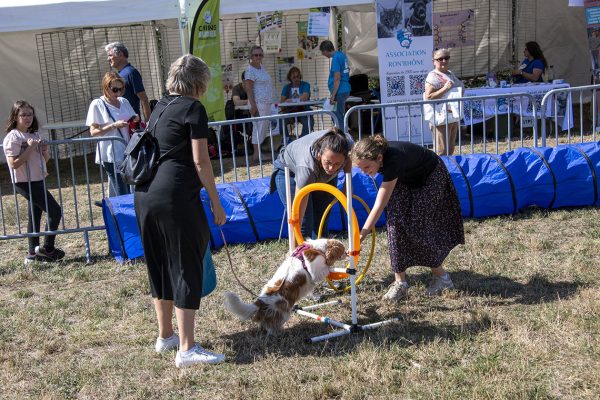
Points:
(253, 214)
(487, 185)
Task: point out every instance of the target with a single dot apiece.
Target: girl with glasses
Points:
(27, 155)
(108, 116)
(441, 83)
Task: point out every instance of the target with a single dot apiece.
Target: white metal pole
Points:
(351, 246)
(288, 207)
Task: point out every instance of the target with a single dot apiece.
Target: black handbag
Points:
(142, 154)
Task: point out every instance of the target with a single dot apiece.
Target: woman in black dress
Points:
(171, 219)
(423, 216)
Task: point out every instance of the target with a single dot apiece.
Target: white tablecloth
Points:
(473, 111)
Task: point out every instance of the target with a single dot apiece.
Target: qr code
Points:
(395, 86)
(417, 84)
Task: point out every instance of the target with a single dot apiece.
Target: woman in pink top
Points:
(26, 155)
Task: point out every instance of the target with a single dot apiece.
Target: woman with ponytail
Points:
(315, 158)
(423, 215)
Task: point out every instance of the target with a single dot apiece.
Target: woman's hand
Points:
(31, 142)
(254, 110)
(219, 215)
(120, 124)
(363, 234)
(448, 85)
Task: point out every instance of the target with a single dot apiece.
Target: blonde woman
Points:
(441, 83)
(171, 219)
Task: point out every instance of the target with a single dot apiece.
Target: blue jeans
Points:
(116, 186)
(340, 108)
(315, 208)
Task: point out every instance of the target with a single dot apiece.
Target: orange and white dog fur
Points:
(293, 280)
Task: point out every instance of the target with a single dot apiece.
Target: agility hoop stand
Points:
(294, 224)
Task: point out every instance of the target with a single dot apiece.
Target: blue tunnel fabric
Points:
(487, 185)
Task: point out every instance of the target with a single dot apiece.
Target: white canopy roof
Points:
(24, 15)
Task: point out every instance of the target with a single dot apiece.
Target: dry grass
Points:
(524, 323)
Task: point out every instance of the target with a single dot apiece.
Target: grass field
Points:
(524, 323)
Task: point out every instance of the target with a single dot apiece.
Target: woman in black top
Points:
(423, 216)
(171, 219)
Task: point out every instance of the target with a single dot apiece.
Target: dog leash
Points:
(231, 265)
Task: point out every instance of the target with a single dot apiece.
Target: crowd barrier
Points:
(479, 113)
(76, 184)
(74, 181)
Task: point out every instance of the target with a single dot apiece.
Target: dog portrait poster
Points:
(418, 17)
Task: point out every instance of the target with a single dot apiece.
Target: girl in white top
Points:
(26, 155)
(109, 115)
(259, 88)
(441, 83)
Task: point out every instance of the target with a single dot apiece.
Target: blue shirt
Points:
(529, 67)
(339, 63)
(133, 85)
(303, 88)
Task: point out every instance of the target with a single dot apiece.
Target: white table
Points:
(473, 112)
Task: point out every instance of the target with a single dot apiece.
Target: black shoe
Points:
(29, 258)
(54, 255)
(98, 203)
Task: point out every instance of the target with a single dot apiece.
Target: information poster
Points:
(405, 43)
(592, 16)
(308, 46)
(453, 29)
(318, 22)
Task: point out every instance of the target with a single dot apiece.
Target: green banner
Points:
(205, 38)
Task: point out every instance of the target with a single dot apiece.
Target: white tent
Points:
(560, 31)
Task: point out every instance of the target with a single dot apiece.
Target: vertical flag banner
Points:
(405, 43)
(205, 38)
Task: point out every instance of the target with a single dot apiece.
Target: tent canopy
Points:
(26, 15)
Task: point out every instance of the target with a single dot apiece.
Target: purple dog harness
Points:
(299, 251)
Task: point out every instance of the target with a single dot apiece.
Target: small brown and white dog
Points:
(295, 278)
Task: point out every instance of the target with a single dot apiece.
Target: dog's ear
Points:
(311, 254)
(335, 251)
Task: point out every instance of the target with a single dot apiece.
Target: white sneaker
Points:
(197, 355)
(397, 291)
(170, 343)
(438, 285)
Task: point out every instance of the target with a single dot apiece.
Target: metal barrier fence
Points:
(559, 101)
(407, 121)
(72, 182)
(238, 164)
(76, 185)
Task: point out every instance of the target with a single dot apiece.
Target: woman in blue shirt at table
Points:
(533, 66)
(295, 91)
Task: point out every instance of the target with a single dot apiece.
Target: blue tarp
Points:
(486, 184)
(252, 214)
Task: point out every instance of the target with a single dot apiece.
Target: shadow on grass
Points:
(537, 290)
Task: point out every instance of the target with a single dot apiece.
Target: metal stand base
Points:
(345, 329)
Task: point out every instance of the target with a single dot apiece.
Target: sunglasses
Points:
(445, 58)
(117, 89)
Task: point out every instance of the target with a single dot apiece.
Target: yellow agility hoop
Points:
(295, 219)
(372, 250)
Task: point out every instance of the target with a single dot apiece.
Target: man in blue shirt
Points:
(134, 86)
(339, 79)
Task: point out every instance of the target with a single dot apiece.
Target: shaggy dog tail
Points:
(236, 306)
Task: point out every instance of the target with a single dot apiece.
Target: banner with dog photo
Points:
(405, 44)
